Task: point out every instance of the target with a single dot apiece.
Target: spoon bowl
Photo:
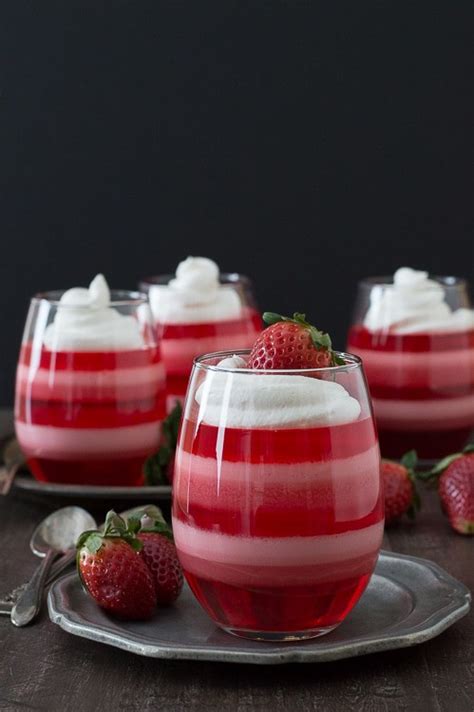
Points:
(60, 530)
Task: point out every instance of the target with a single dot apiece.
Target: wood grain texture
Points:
(44, 668)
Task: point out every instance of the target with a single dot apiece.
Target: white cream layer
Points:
(414, 304)
(85, 321)
(264, 400)
(279, 551)
(418, 369)
(195, 295)
(422, 415)
(85, 443)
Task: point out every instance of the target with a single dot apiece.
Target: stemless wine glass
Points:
(421, 380)
(89, 414)
(277, 499)
(181, 341)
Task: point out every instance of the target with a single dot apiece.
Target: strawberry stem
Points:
(443, 464)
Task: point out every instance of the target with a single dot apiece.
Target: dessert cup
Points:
(417, 347)
(90, 389)
(194, 321)
(277, 499)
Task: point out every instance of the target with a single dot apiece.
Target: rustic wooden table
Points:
(44, 668)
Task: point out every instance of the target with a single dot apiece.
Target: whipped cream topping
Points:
(195, 295)
(84, 321)
(414, 304)
(263, 400)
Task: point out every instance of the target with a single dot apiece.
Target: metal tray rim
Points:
(309, 651)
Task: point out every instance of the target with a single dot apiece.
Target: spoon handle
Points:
(68, 558)
(7, 475)
(29, 602)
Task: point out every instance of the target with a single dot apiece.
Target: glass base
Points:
(268, 636)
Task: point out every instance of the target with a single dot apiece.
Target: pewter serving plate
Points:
(25, 481)
(28, 483)
(408, 601)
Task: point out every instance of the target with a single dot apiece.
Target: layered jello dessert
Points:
(277, 508)
(197, 311)
(415, 335)
(90, 387)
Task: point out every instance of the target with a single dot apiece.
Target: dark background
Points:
(306, 144)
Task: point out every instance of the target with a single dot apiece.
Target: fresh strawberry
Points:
(401, 496)
(455, 475)
(159, 553)
(290, 344)
(114, 573)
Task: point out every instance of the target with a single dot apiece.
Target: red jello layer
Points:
(273, 521)
(124, 471)
(284, 608)
(360, 337)
(177, 386)
(279, 445)
(250, 321)
(95, 414)
(88, 360)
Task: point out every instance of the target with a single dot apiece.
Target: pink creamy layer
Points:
(172, 399)
(178, 354)
(116, 384)
(433, 414)
(349, 486)
(44, 441)
(405, 369)
(274, 561)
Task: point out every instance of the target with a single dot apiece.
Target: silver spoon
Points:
(56, 534)
(8, 601)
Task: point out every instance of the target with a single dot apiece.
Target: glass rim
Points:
(354, 363)
(224, 278)
(118, 298)
(447, 281)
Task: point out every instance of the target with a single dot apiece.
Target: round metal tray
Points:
(408, 601)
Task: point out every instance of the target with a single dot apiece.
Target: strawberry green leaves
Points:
(157, 465)
(115, 527)
(410, 462)
(149, 519)
(442, 465)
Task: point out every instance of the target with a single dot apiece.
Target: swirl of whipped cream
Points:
(84, 321)
(257, 400)
(195, 295)
(414, 304)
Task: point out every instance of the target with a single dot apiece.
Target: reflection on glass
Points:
(277, 503)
